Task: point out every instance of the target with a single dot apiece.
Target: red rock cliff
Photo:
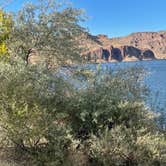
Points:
(137, 46)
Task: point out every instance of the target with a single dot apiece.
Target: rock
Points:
(96, 54)
(130, 51)
(105, 54)
(148, 54)
(119, 54)
(33, 57)
(116, 54)
(137, 46)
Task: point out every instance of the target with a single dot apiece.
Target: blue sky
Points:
(119, 17)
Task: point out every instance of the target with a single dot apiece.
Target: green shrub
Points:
(97, 106)
(31, 112)
(113, 123)
(53, 123)
(129, 146)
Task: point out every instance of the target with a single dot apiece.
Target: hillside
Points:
(136, 46)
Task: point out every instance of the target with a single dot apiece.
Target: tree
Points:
(5, 29)
(50, 28)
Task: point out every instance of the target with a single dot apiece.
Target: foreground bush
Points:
(53, 123)
(113, 122)
(31, 109)
(96, 107)
(122, 146)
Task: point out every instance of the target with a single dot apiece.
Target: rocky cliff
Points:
(136, 46)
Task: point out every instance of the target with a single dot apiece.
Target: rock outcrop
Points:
(137, 46)
(126, 53)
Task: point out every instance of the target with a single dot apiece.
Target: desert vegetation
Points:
(45, 120)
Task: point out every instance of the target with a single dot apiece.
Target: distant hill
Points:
(136, 46)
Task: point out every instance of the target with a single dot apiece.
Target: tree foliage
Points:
(49, 27)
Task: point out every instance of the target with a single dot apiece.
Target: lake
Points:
(155, 80)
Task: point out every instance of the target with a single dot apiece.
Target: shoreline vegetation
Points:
(45, 120)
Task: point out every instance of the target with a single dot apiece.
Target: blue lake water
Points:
(155, 79)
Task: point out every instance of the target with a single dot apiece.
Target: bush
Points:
(97, 106)
(129, 146)
(113, 123)
(5, 29)
(31, 112)
(54, 123)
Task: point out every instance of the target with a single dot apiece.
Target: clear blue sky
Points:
(119, 17)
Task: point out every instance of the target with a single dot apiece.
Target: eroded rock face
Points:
(148, 54)
(130, 51)
(96, 54)
(120, 53)
(136, 46)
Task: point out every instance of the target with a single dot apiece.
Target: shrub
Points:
(113, 123)
(5, 29)
(97, 106)
(136, 145)
(54, 123)
(31, 112)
